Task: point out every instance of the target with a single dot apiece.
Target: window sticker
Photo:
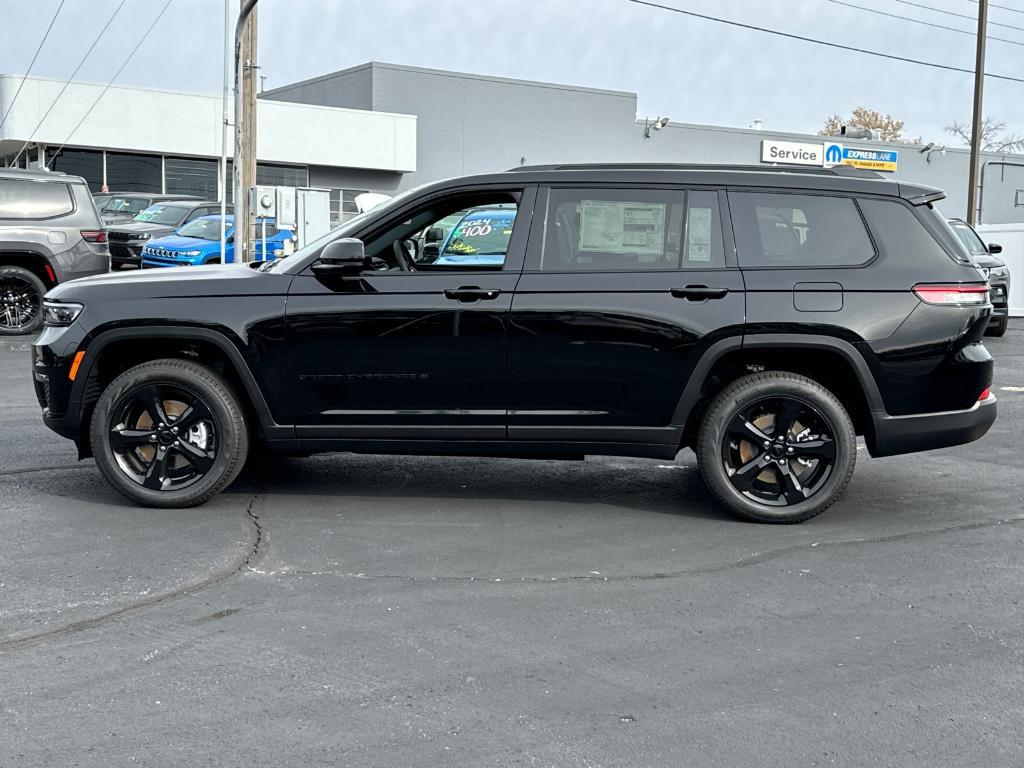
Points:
(608, 226)
(698, 234)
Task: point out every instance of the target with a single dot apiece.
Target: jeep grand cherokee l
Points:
(762, 317)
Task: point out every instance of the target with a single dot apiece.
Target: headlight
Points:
(191, 253)
(60, 313)
(999, 272)
(142, 236)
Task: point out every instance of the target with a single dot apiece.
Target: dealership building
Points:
(383, 128)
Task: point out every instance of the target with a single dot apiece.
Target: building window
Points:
(1019, 199)
(271, 175)
(343, 204)
(134, 173)
(191, 177)
(78, 162)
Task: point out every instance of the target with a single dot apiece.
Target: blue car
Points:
(480, 239)
(198, 242)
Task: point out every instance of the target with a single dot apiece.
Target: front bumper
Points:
(59, 398)
(1000, 296)
(926, 431)
(126, 252)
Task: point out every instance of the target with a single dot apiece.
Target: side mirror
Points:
(344, 256)
(994, 248)
(434, 235)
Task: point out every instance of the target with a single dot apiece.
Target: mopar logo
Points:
(834, 154)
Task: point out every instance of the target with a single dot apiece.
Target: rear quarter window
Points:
(901, 234)
(794, 230)
(30, 199)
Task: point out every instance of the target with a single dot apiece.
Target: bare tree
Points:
(993, 136)
(888, 127)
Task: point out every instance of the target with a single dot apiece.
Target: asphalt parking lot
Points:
(374, 611)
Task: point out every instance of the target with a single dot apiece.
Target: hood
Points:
(138, 227)
(179, 243)
(116, 218)
(988, 261)
(215, 280)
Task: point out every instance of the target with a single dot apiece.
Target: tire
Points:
(999, 329)
(21, 301)
(172, 392)
(799, 473)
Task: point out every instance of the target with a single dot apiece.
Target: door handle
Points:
(467, 293)
(699, 293)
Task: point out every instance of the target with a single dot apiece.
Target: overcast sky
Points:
(689, 69)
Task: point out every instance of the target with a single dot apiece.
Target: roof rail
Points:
(836, 170)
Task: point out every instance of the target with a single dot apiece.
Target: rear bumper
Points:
(926, 431)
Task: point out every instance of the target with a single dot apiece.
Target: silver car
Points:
(50, 232)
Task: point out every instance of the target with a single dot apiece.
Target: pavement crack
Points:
(253, 551)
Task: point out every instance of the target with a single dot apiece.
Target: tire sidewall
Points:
(741, 395)
(40, 288)
(230, 440)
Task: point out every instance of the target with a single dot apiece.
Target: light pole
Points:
(241, 212)
(979, 87)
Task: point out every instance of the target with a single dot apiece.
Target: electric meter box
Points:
(285, 208)
(262, 202)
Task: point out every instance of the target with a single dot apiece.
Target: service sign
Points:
(872, 159)
(791, 153)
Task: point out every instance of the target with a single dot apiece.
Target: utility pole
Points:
(979, 87)
(244, 170)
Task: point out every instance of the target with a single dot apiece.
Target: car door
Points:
(623, 290)
(407, 349)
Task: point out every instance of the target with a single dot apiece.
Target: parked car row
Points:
(52, 229)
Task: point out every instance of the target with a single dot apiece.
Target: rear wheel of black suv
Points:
(776, 447)
(169, 433)
(21, 301)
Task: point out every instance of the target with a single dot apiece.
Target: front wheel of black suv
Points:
(169, 433)
(776, 447)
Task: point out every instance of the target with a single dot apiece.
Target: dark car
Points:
(121, 207)
(158, 220)
(763, 317)
(993, 268)
(50, 233)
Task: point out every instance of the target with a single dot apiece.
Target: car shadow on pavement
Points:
(642, 485)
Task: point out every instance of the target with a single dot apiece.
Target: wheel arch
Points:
(832, 362)
(35, 262)
(114, 351)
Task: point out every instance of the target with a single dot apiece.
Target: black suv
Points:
(991, 267)
(763, 317)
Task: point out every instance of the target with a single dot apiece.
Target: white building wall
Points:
(173, 123)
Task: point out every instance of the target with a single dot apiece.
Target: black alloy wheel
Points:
(21, 301)
(164, 437)
(169, 433)
(776, 447)
(778, 451)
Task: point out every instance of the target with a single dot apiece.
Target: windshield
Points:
(343, 230)
(203, 229)
(969, 238)
(168, 215)
(127, 205)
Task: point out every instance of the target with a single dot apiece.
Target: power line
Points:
(111, 81)
(920, 21)
(958, 15)
(68, 81)
(1000, 7)
(840, 46)
(31, 64)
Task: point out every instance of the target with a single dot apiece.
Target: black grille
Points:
(121, 237)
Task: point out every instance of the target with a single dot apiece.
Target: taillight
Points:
(985, 393)
(970, 293)
(94, 235)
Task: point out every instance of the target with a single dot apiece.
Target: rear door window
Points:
(627, 230)
(28, 199)
(793, 230)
